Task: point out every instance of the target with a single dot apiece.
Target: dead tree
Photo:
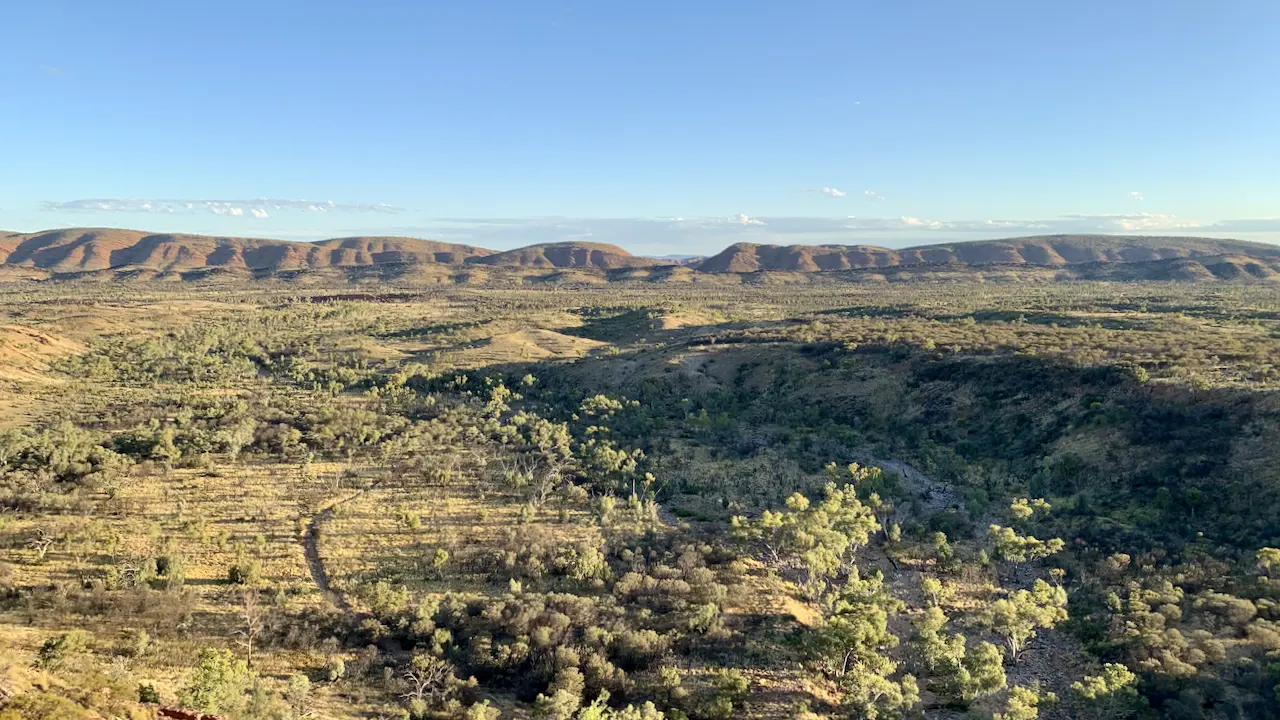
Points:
(251, 614)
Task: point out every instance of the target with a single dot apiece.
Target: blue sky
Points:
(664, 126)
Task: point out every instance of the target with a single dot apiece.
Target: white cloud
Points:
(1136, 196)
(259, 213)
(1133, 222)
(217, 207)
(745, 220)
(872, 195)
(828, 191)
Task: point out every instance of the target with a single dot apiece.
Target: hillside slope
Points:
(1049, 250)
(89, 249)
(117, 254)
(568, 255)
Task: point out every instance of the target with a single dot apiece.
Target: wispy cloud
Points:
(1136, 196)
(828, 191)
(872, 195)
(257, 208)
(51, 70)
(1135, 222)
(1253, 225)
(562, 228)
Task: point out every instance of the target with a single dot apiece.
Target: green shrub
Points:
(57, 650)
(245, 573)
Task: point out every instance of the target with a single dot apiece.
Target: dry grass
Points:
(212, 517)
(366, 539)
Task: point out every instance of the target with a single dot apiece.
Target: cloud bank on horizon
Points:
(711, 233)
(311, 220)
(258, 208)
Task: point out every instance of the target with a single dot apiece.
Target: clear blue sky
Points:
(665, 126)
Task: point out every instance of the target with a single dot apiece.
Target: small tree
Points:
(251, 617)
(1024, 508)
(335, 669)
(856, 630)
(439, 560)
(247, 572)
(943, 554)
(730, 688)
(430, 679)
(983, 672)
(482, 711)
(940, 652)
(1269, 559)
(147, 693)
(135, 643)
(935, 590)
(40, 542)
(1016, 548)
(822, 538)
(1112, 695)
(1024, 703)
(219, 683)
(961, 673)
(408, 519)
(873, 696)
(171, 572)
(1017, 617)
(58, 649)
(298, 694)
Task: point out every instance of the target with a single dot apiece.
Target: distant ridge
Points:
(568, 255)
(89, 249)
(679, 259)
(122, 253)
(1048, 250)
(383, 250)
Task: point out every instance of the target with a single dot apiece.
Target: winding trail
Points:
(310, 541)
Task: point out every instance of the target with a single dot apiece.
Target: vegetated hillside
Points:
(1048, 250)
(382, 250)
(749, 257)
(340, 504)
(568, 255)
(90, 249)
(1217, 267)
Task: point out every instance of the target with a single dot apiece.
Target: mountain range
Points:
(93, 251)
